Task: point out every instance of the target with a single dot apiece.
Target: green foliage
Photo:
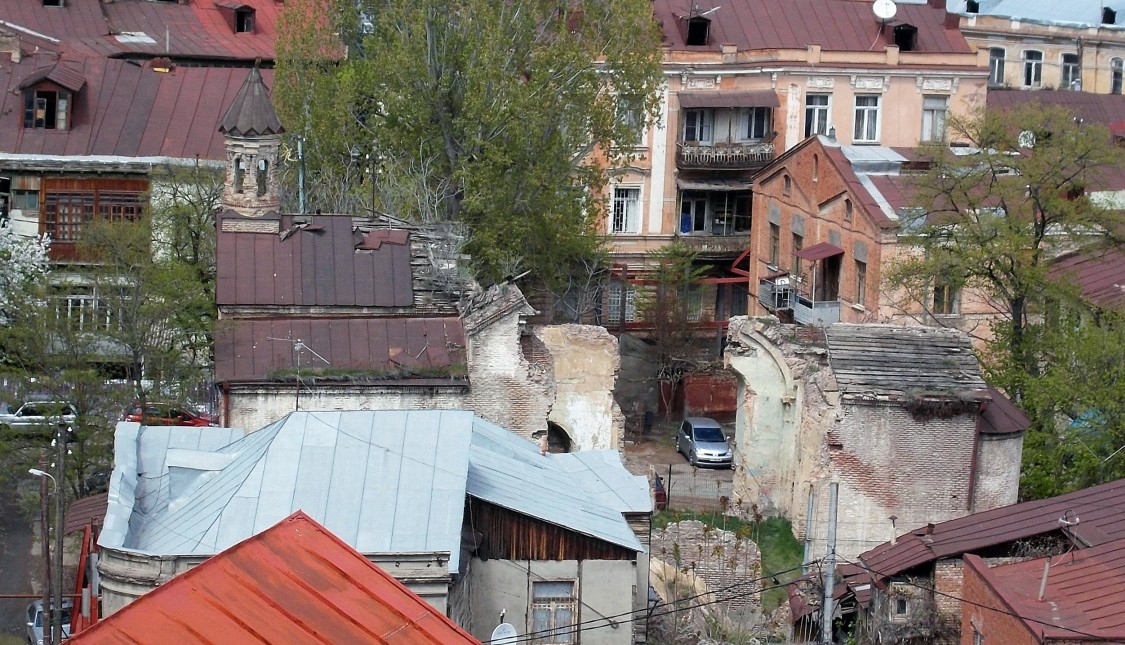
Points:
(499, 116)
(990, 223)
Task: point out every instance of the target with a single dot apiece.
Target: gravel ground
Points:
(688, 488)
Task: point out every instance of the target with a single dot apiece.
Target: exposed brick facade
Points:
(988, 615)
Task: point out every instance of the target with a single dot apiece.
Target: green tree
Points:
(989, 222)
(500, 116)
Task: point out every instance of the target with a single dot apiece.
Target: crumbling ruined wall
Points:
(583, 364)
(724, 562)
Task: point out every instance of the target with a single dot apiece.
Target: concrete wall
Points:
(254, 406)
(605, 588)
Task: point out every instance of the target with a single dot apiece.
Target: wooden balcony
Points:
(724, 156)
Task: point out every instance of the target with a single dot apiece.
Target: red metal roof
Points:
(835, 25)
(321, 264)
(1001, 416)
(1098, 273)
(1100, 509)
(196, 29)
(125, 110)
(294, 582)
(819, 251)
(1085, 592)
(375, 348)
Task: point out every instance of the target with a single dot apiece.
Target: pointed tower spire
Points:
(252, 134)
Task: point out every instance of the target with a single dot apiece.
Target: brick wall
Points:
(998, 471)
(948, 577)
(719, 558)
(994, 626)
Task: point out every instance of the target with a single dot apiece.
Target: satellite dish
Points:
(504, 634)
(884, 9)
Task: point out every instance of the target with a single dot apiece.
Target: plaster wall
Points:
(998, 471)
(584, 364)
(604, 588)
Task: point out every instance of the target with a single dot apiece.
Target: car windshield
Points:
(709, 435)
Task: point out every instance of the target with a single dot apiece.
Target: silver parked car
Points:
(702, 441)
(38, 414)
(38, 624)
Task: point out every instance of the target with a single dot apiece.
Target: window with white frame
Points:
(933, 117)
(1116, 74)
(996, 57)
(1032, 68)
(756, 122)
(698, 125)
(693, 213)
(554, 609)
(1071, 73)
(620, 302)
(626, 214)
(866, 118)
(816, 114)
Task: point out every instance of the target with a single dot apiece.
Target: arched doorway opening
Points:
(557, 438)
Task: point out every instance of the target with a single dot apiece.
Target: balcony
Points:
(775, 293)
(724, 156)
(819, 313)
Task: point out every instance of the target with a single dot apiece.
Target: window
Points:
(815, 168)
(629, 118)
(798, 244)
(693, 214)
(996, 66)
(626, 210)
(1071, 74)
(239, 172)
(697, 125)
(698, 31)
(978, 637)
(860, 282)
(263, 176)
(946, 298)
(1116, 72)
(902, 606)
(244, 21)
(46, 109)
(730, 214)
(787, 184)
(1032, 68)
(553, 611)
(52, 3)
(866, 118)
(847, 210)
(756, 123)
(119, 205)
(933, 118)
(775, 243)
(66, 212)
(25, 200)
(816, 114)
(621, 301)
(82, 310)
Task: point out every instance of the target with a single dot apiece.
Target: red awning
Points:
(757, 98)
(819, 252)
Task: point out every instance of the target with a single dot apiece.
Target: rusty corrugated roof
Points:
(364, 349)
(251, 112)
(1098, 273)
(835, 25)
(59, 74)
(1083, 598)
(321, 264)
(1100, 509)
(294, 582)
(89, 510)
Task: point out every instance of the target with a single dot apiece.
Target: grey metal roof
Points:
(382, 481)
(1077, 13)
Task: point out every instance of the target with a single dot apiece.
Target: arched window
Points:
(815, 168)
(239, 171)
(263, 176)
(1116, 73)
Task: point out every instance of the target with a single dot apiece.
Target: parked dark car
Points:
(167, 414)
(702, 441)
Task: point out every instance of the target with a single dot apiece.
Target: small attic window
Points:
(906, 37)
(1109, 16)
(244, 20)
(972, 6)
(46, 109)
(52, 3)
(698, 31)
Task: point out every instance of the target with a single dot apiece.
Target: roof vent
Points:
(698, 31)
(972, 6)
(906, 37)
(1109, 16)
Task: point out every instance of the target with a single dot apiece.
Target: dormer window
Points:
(47, 109)
(698, 31)
(52, 3)
(244, 20)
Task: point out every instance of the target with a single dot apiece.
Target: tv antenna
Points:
(299, 347)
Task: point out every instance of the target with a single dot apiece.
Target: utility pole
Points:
(826, 607)
(45, 532)
(60, 479)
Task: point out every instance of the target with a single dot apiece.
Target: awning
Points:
(756, 98)
(713, 184)
(819, 252)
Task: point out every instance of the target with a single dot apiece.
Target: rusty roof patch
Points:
(89, 510)
(372, 240)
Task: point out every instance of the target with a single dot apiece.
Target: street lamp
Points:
(59, 443)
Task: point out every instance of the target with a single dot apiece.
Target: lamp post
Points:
(44, 527)
(55, 606)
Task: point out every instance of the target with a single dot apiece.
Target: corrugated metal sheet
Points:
(371, 348)
(318, 265)
(1101, 510)
(835, 25)
(1085, 591)
(382, 481)
(293, 582)
(125, 110)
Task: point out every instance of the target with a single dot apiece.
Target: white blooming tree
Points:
(23, 264)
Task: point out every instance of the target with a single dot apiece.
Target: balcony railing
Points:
(732, 156)
(819, 313)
